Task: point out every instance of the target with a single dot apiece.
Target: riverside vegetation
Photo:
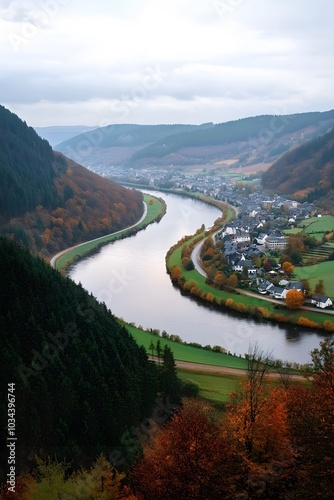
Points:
(224, 294)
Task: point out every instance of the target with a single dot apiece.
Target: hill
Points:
(80, 379)
(306, 172)
(249, 140)
(55, 135)
(48, 202)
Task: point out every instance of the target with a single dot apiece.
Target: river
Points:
(130, 277)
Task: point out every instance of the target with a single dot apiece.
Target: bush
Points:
(189, 389)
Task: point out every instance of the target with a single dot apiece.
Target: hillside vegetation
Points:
(306, 172)
(249, 140)
(81, 380)
(48, 202)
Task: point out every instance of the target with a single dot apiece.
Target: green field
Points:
(183, 352)
(153, 212)
(323, 271)
(213, 386)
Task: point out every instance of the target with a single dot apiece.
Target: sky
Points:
(79, 62)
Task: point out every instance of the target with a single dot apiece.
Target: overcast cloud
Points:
(70, 62)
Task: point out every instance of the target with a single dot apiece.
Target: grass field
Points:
(153, 212)
(183, 352)
(213, 386)
(323, 270)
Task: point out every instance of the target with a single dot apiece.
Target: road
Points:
(220, 370)
(54, 259)
(195, 257)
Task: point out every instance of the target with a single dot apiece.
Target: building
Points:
(321, 301)
(275, 242)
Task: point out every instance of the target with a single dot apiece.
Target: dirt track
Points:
(187, 365)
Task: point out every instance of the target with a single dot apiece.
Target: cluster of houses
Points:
(279, 292)
(239, 253)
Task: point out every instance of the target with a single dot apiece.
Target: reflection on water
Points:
(130, 277)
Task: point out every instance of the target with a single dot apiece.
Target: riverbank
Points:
(215, 373)
(154, 210)
(193, 283)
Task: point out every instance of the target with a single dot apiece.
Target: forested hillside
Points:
(81, 380)
(306, 172)
(248, 140)
(48, 202)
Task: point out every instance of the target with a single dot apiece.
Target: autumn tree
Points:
(176, 273)
(320, 287)
(250, 401)
(220, 279)
(306, 288)
(294, 299)
(53, 479)
(232, 281)
(191, 459)
(288, 267)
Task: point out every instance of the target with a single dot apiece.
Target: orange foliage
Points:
(191, 459)
(294, 299)
(176, 273)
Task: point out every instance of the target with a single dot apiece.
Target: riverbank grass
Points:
(184, 352)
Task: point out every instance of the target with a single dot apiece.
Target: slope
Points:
(48, 202)
(306, 172)
(250, 140)
(80, 379)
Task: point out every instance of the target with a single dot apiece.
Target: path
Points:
(54, 259)
(220, 370)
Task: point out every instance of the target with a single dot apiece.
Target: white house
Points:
(292, 285)
(243, 262)
(321, 301)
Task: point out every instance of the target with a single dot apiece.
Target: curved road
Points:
(54, 259)
(195, 257)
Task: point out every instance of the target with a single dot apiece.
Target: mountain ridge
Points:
(253, 139)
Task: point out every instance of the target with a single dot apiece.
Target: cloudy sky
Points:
(80, 62)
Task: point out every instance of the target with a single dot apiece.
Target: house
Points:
(293, 285)
(321, 301)
(242, 263)
(276, 292)
(264, 286)
(261, 238)
(274, 242)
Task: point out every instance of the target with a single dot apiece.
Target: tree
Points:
(191, 459)
(170, 385)
(176, 273)
(306, 288)
(220, 279)
(323, 366)
(294, 299)
(320, 287)
(232, 281)
(250, 401)
(288, 267)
